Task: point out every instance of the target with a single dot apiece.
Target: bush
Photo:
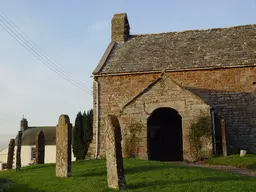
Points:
(131, 140)
(199, 130)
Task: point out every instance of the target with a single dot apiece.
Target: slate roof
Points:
(192, 49)
(29, 135)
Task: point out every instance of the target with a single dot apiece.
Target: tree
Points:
(90, 125)
(82, 134)
(75, 142)
(87, 118)
(78, 143)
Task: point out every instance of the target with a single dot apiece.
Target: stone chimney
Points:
(23, 124)
(120, 28)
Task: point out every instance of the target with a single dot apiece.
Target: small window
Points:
(4, 166)
(33, 153)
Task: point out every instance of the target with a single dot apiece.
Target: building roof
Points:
(29, 135)
(174, 51)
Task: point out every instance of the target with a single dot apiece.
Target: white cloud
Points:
(98, 26)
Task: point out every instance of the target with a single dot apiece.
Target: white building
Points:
(28, 148)
(3, 158)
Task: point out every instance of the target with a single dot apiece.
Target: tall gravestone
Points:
(10, 154)
(18, 151)
(114, 158)
(63, 147)
(40, 148)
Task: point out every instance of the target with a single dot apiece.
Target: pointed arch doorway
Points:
(164, 135)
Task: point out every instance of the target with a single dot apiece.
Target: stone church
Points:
(158, 84)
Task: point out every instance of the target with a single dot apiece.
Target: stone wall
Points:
(229, 90)
(169, 94)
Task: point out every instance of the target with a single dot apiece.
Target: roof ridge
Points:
(43, 126)
(196, 30)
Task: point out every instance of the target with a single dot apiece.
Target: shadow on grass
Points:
(74, 163)
(6, 185)
(129, 170)
(91, 161)
(89, 173)
(165, 183)
(252, 167)
(39, 166)
(147, 168)
(142, 169)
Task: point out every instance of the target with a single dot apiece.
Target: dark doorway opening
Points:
(217, 138)
(164, 135)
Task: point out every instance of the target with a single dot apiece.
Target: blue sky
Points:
(76, 34)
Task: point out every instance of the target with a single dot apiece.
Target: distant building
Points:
(28, 149)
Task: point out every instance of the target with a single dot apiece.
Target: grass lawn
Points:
(144, 176)
(248, 161)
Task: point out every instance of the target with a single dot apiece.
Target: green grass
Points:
(144, 176)
(248, 161)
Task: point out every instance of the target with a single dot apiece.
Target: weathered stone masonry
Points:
(229, 90)
(213, 68)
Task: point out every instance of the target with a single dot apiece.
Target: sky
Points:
(75, 34)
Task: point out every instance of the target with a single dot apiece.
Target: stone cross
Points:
(18, 151)
(40, 148)
(63, 147)
(10, 154)
(114, 158)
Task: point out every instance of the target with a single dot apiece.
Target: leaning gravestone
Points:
(18, 158)
(40, 148)
(114, 158)
(10, 154)
(63, 147)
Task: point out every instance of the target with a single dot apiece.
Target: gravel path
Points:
(231, 169)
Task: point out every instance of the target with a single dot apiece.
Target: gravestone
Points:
(242, 153)
(40, 148)
(63, 147)
(114, 158)
(18, 151)
(10, 154)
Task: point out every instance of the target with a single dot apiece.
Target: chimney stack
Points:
(23, 124)
(120, 28)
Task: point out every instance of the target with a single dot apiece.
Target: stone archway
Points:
(164, 135)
